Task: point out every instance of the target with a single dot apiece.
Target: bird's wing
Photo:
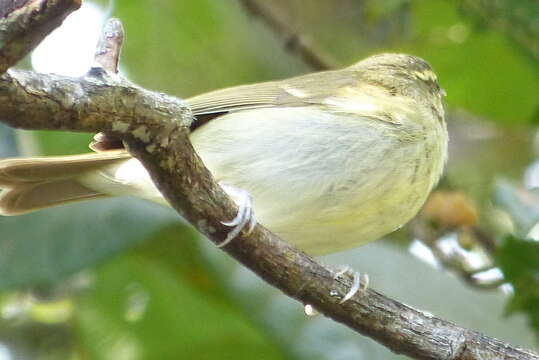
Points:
(297, 91)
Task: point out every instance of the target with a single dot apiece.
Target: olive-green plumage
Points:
(332, 159)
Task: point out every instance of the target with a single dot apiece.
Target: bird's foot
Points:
(358, 280)
(245, 217)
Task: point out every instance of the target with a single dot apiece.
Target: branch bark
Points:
(24, 23)
(109, 47)
(154, 127)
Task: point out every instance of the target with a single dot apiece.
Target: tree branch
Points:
(294, 42)
(24, 23)
(155, 127)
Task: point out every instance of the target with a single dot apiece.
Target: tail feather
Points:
(14, 172)
(31, 184)
(28, 198)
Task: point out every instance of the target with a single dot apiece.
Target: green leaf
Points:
(161, 301)
(519, 261)
(188, 47)
(518, 19)
(48, 245)
(479, 69)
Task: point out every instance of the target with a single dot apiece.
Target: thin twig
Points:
(107, 57)
(294, 42)
(109, 46)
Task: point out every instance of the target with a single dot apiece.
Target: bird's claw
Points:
(245, 217)
(357, 280)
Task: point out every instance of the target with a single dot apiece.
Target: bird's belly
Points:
(320, 184)
(339, 219)
(365, 219)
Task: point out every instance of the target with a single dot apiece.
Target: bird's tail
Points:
(30, 184)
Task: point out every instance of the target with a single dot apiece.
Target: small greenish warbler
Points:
(332, 160)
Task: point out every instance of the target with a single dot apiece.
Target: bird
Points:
(328, 160)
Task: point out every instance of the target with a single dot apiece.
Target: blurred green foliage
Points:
(518, 254)
(519, 261)
(516, 18)
(157, 297)
(479, 68)
(58, 242)
(161, 299)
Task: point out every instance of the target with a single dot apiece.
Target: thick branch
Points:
(155, 128)
(24, 23)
